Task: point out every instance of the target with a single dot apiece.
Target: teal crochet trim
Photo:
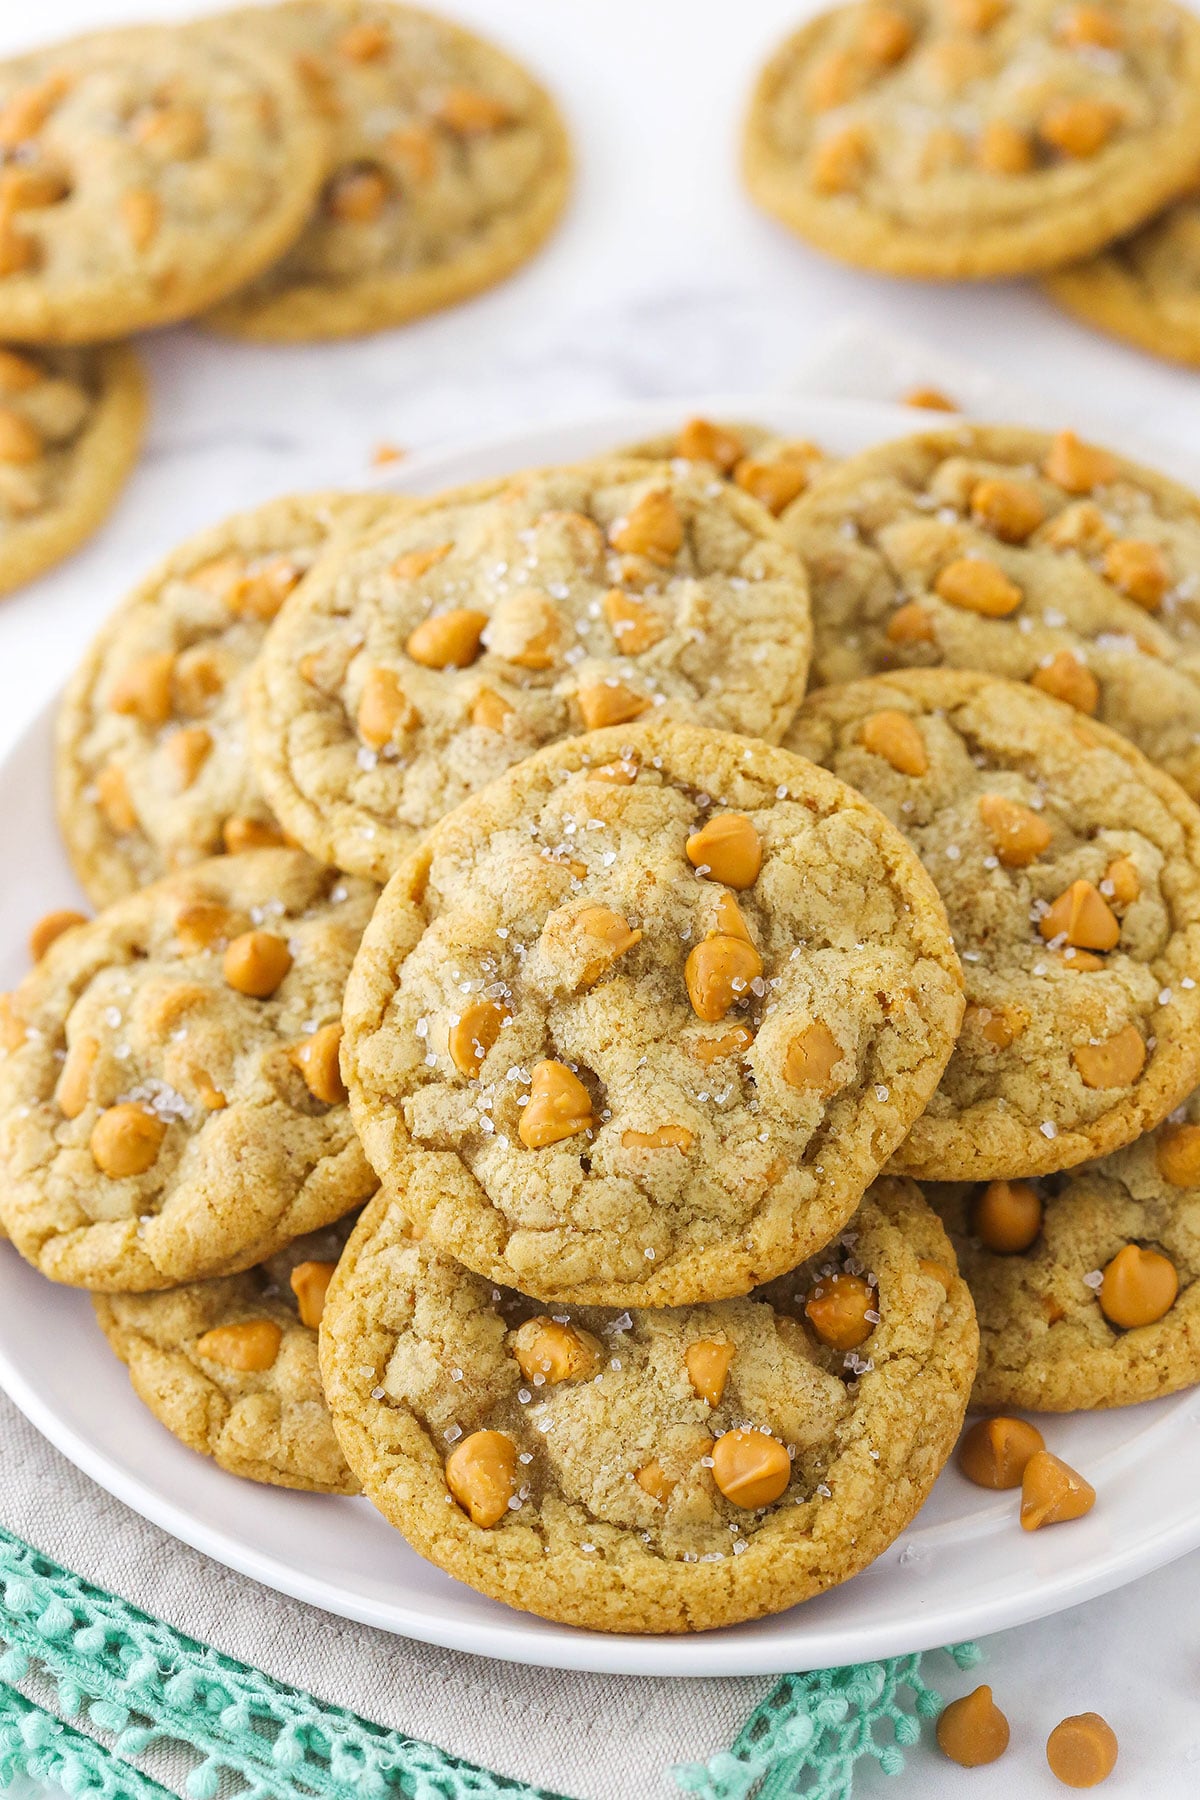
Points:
(144, 1685)
(133, 1685)
(804, 1741)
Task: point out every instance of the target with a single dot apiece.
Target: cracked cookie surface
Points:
(1070, 869)
(1146, 288)
(658, 1471)
(230, 1366)
(641, 1022)
(448, 166)
(152, 768)
(146, 173)
(453, 641)
(1038, 558)
(971, 138)
(170, 1102)
(1046, 1340)
(71, 424)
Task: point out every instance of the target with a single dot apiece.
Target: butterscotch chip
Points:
(684, 1432)
(973, 1731)
(473, 1034)
(147, 1075)
(978, 586)
(265, 1419)
(481, 1475)
(1052, 1492)
(893, 736)
(669, 1136)
(186, 201)
(1007, 1216)
(838, 1308)
(1060, 122)
(1107, 621)
(180, 652)
(1012, 510)
(1177, 1154)
(1082, 1750)
(1019, 817)
(560, 601)
(994, 1452)
(701, 440)
(1139, 1287)
(930, 399)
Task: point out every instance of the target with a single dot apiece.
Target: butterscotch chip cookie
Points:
(144, 174)
(449, 164)
(230, 1366)
(657, 1471)
(425, 660)
(152, 769)
(1039, 558)
(641, 1022)
(776, 470)
(1146, 288)
(1070, 869)
(1097, 1300)
(70, 428)
(170, 1100)
(968, 138)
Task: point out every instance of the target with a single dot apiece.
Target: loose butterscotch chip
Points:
(50, 928)
(1011, 510)
(1139, 1287)
(894, 736)
(481, 1473)
(652, 528)
(718, 973)
(317, 1060)
(74, 1082)
(559, 1106)
(126, 1140)
(1079, 467)
(1082, 1750)
(1177, 1154)
(310, 1284)
(811, 1058)
(384, 709)
(1018, 834)
(993, 1452)
(750, 1468)
(250, 1347)
(1083, 917)
(911, 624)
(1139, 569)
(1117, 1062)
(708, 1364)
(978, 586)
(473, 1034)
(1066, 678)
(1052, 1492)
(929, 399)
(837, 1310)
(973, 1731)
(556, 1352)
(702, 441)
(727, 848)
(448, 640)
(256, 963)
(610, 703)
(1007, 1216)
(635, 626)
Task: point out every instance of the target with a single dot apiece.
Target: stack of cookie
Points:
(960, 139)
(292, 172)
(678, 986)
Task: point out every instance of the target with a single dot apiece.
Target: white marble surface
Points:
(662, 281)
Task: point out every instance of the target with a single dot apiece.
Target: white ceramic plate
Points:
(964, 1569)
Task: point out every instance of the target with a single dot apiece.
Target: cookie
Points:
(445, 647)
(1039, 558)
(152, 771)
(449, 166)
(144, 174)
(1070, 869)
(1146, 288)
(71, 424)
(970, 138)
(1087, 1285)
(641, 1022)
(775, 470)
(658, 1471)
(230, 1366)
(170, 1102)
